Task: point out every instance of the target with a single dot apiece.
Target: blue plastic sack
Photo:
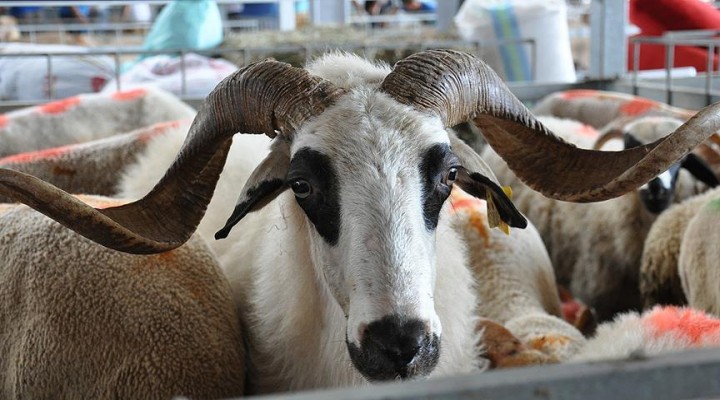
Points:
(186, 24)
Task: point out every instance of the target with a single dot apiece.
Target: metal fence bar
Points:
(669, 60)
(687, 375)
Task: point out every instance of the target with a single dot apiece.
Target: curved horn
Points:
(609, 135)
(266, 97)
(459, 87)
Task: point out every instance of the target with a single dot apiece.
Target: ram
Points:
(343, 258)
(596, 248)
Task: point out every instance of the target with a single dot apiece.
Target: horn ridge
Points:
(264, 97)
(458, 87)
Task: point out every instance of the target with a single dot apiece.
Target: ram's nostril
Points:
(397, 339)
(402, 356)
(396, 347)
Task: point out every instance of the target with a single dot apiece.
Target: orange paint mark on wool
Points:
(588, 131)
(478, 221)
(547, 342)
(35, 155)
(3, 121)
(464, 204)
(685, 322)
(129, 94)
(578, 94)
(60, 106)
(158, 129)
(460, 200)
(638, 106)
(473, 209)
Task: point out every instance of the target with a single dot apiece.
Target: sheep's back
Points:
(698, 259)
(78, 320)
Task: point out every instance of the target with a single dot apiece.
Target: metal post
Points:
(446, 11)
(286, 15)
(608, 41)
(329, 12)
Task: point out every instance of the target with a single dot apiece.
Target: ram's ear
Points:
(501, 210)
(264, 184)
(477, 179)
(700, 170)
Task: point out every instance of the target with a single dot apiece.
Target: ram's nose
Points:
(394, 347)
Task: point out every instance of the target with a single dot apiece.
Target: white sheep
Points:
(78, 320)
(678, 263)
(659, 278)
(596, 248)
(608, 110)
(655, 331)
(699, 261)
(86, 117)
(92, 167)
(598, 108)
(356, 271)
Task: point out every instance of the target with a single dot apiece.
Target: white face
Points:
(375, 210)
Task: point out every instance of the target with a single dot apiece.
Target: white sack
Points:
(544, 21)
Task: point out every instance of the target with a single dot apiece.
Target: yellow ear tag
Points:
(494, 220)
(508, 191)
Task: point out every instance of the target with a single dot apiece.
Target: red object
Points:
(129, 94)
(655, 17)
(59, 106)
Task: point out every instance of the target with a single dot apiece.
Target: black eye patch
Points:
(322, 205)
(435, 163)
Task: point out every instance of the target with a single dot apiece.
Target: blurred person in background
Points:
(77, 15)
(413, 6)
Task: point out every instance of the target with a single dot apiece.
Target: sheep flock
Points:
(327, 227)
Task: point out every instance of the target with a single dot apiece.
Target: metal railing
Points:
(703, 85)
(693, 374)
(246, 55)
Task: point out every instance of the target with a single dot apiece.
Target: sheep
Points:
(599, 108)
(652, 332)
(611, 110)
(78, 320)
(515, 280)
(86, 117)
(677, 262)
(596, 248)
(93, 167)
(698, 260)
(356, 270)
(660, 281)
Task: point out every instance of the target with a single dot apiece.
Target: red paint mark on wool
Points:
(588, 131)
(3, 121)
(60, 106)
(466, 203)
(129, 94)
(578, 94)
(638, 106)
(685, 322)
(35, 155)
(157, 130)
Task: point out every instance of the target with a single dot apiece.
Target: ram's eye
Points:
(450, 176)
(301, 188)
